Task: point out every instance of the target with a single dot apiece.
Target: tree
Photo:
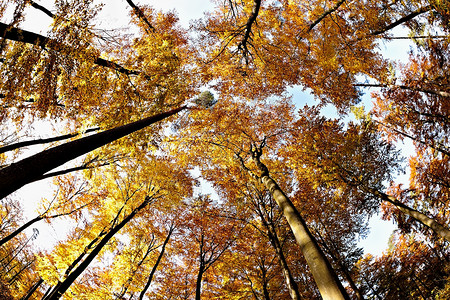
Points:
(233, 141)
(329, 174)
(22, 172)
(409, 263)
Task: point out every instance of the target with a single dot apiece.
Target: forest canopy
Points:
(181, 164)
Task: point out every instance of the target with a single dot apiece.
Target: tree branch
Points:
(28, 37)
(41, 8)
(141, 15)
(405, 87)
(248, 27)
(402, 20)
(325, 14)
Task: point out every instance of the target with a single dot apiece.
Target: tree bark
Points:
(402, 20)
(27, 170)
(326, 279)
(62, 288)
(290, 281)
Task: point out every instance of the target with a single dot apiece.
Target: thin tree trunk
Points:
(41, 141)
(62, 288)
(265, 290)
(342, 266)
(325, 14)
(198, 285)
(27, 170)
(32, 289)
(126, 285)
(437, 228)
(290, 281)
(275, 242)
(326, 279)
(158, 260)
(16, 276)
(19, 230)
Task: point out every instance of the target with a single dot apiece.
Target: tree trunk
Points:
(439, 229)
(27, 170)
(158, 260)
(290, 281)
(326, 279)
(19, 230)
(275, 242)
(198, 285)
(62, 288)
(33, 289)
(41, 141)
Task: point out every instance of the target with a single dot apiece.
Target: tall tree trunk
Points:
(198, 285)
(18, 145)
(33, 289)
(290, 281)
(64, 285)
(19, 230)
(158, 260)
(326, 279)
(27, 170)
(333, 252)
(437, 228)
(265, 290)
(275, 242)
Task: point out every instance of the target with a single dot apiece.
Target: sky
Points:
(116, 14)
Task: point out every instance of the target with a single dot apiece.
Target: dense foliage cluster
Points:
(182, 168)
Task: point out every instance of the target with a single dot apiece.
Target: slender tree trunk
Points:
(27, 170)
(47, 292)
(265, 290)
(439, 229)
(290, 281)
(19, 230)
(198, 285)
(41, 141)
(273, 238)
(33, 289)
(158, 260)
(126, 285)
(342, 266)
(62, 288)
(326, 279)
